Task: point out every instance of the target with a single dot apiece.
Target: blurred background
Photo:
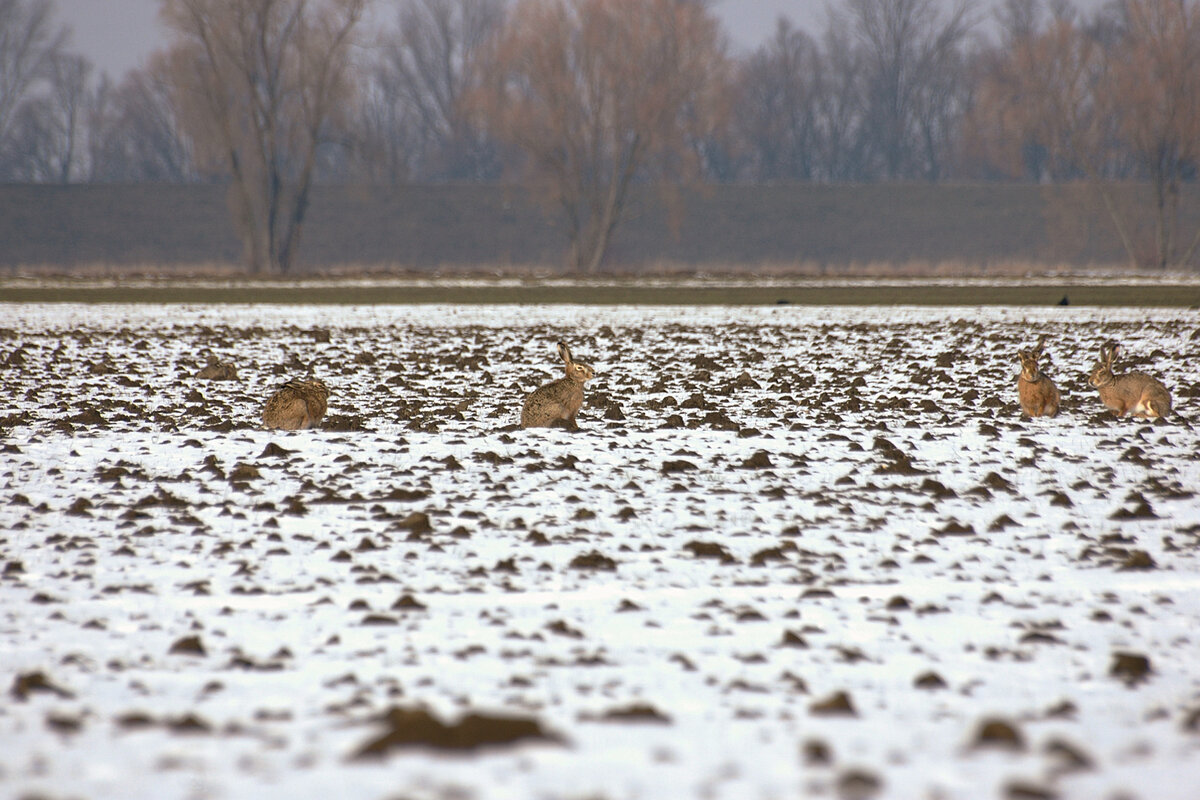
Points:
(593, 134)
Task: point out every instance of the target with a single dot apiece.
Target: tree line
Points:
(581, 99)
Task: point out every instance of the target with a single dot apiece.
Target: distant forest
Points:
(580, 101)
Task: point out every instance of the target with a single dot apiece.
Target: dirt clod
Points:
(406, 728)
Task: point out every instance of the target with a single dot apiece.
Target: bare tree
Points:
(1041, 90)
(1017, 19)
(261, 84)
(134, 130)
(1115, 99)
(29, 44)
(430, 65)
(778, 107)
(1154, 95)
(592, 91)
(997, 142)
(842, 98)
(1035, 114)
(387, 140)
(913, 61)
(49, 132)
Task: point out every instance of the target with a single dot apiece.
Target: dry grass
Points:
(913, 268)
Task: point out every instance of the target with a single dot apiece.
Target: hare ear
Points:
(564, 352)
(1041, 342)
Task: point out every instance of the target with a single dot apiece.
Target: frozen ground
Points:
(794, 552)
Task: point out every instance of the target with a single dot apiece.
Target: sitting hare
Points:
(297, 405)
(1039, 396)
(217, 370)
(1132, 393)
(556, 403)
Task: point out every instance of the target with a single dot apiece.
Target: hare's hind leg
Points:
(1052, 404)
(292, 416)
(541, 415)
(558, 416)
(1148, 408)
(1142, 407)
(533, 412)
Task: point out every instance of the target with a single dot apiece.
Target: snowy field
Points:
(793, 552)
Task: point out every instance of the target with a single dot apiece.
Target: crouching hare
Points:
(1039, 396)
(1131, 393)
(556, 403)
(297, 405)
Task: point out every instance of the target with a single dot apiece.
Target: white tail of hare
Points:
(297, 405)
(1039, 396)
(556, 403)
(1132, 393)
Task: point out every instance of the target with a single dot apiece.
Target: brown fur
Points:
(217, 370)
(1130, 393)
(297, 405)
(1039, 396)
(556, 403)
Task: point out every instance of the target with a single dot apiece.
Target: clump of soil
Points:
(406, 728)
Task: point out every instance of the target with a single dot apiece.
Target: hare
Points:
(556, 403)
(1132, 393)
(217, 370)
(1039, 396)
(297, 405)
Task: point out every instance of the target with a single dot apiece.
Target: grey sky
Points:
(117, 35)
